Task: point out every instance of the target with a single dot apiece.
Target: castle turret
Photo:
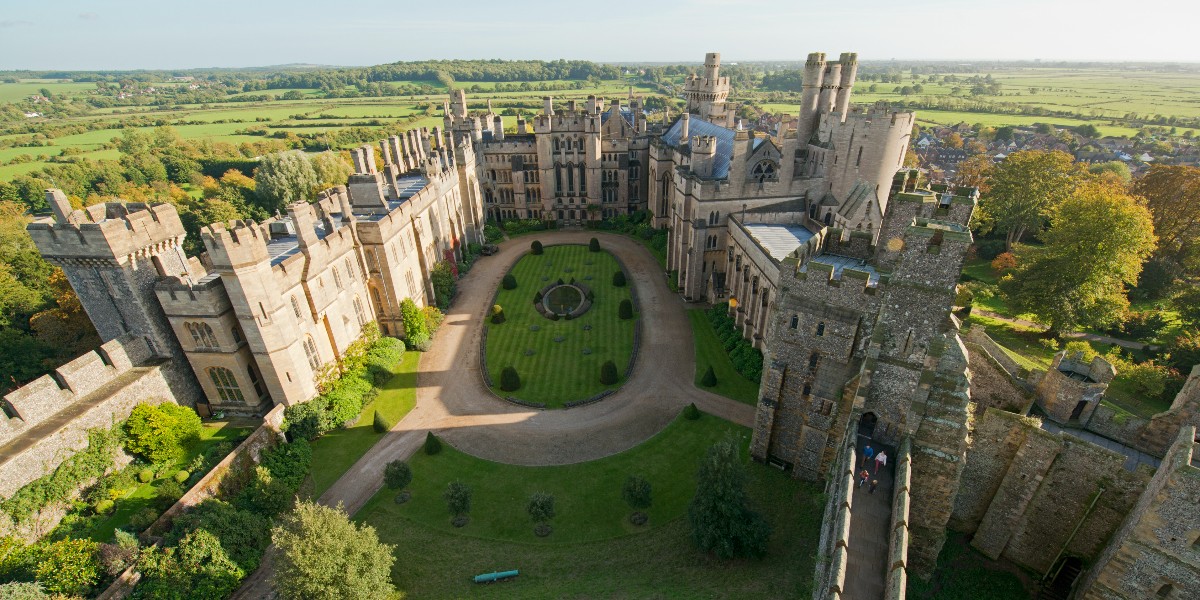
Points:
(849, 64)
(814, 68)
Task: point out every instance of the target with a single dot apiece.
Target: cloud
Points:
(12, 23)
(89, 16)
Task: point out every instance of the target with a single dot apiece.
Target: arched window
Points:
(820, 329)
(807, 389)
(350, 270)
(795, 321)
(812, 211)
(829, 218)
(226, 384)
(310, 350)
(813, 359)
(337, 275)
(764, 171)
(296, 308)
(358, 311)
(202, 335)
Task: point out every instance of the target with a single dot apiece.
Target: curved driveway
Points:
(453, 401)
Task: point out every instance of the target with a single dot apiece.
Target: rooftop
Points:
(778, 240)
(406, 187)
(282, 246)
(840, 263)
(698, 126)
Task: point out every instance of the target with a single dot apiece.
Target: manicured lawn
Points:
(560, 371)
(338, 450)
(142, 496)
(435, 560)
(709, 352)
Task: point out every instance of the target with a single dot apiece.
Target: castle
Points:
(833, 259)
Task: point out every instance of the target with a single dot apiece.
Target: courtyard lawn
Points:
(556, 372)
(593, 551)
(709, 352)
(338, 450)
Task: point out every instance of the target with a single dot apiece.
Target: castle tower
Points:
(849, 63)
(814, 68)
(706, 95)
(113, 254)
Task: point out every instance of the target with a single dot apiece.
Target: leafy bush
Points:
(146, 475)
(1080, 347)
(535, 248)
(709, 379)
(68, 566)
(509, 282)
(182, 476)
(618, 279)
(458, 498)
(636, 493)
(1184, 351)
(143, 518)
(594, 245)
(492, 234)
(416, 329)
(625, 309)
(540, 507)
(989, 249)
(120, 554)
(160, 433)
(608, 373)
(364, 366)
(1005, 261)
(323, 554)
(510, 381)
(747, 360)
(198, 567)
(74, 472)
(432, 444)
(497, 314)
(443, 276)
(1140, 325)
(265, 494)
(690, 412)
(381, 424)
(397, 475)
(103, 507)
(18, 590)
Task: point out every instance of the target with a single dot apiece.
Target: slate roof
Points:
(778, 240)
(697, 126)
(625, 114)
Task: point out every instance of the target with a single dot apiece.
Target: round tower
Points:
(814, 68)
(849, 66)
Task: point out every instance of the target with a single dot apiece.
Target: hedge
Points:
(747, 360)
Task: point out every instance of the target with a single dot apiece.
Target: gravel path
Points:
(453, 402)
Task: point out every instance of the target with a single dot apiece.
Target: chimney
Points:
(549, 108)
(683, 130)
(59, 204)
(522, 128)
(498, 129)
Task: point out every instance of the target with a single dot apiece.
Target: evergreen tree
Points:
(608, 373)
(709, 379)
(721, 521)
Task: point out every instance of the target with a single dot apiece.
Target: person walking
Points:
(880, 461)
(874, 484)
(863, 476)
(868, 454)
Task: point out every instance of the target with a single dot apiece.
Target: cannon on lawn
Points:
(497, 576)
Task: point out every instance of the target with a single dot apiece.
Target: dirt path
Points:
(453, 401)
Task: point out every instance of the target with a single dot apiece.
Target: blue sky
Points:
(162, 34)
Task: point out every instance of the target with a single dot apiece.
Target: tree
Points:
(284, 178)
(330, 170)
(535, 248)
(322, 554)
(509, 282)
(954, 140)
(710, 378)
(161, 432)
(722, 522)
(1116, 168)
(636, 493)
(974, 172)
(608, 373)
(618, 279)
(690, 412)
(432, 444)
(416, 329)
(1025, 189)
(397, 475)
(540, 507)
(594, 245)
(442, 276)
(1172, 193)
(197, 567)
(458, 498)
(625, 309)
(1088, 130)
(510, 380)
(1098, 239)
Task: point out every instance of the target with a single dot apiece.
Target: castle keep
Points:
(835, 262)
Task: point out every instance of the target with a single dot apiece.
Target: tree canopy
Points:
(1024, 190)
(721, 520)
(322, 554)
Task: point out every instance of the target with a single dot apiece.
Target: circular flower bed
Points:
(564, 300)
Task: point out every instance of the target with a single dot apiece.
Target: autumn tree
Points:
(1099, 236)
(974, 172)
(1025, 189)
(954, 140)
(1172, 193)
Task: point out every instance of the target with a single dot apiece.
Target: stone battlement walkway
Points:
(870, 517)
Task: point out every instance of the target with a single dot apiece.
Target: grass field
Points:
(559, 371)
(710, 352)
(962, 573)
(338, 450)
(435, 560)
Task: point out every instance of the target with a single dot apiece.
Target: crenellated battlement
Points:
(112, 232)
(238, 243)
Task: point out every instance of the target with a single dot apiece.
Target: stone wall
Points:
(45, 422)
(897, 565)
(1032, 497)
(1156, 552)
(991, 386)
(833, 556)
(1154, 435)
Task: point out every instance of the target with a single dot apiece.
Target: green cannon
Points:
(497, 576)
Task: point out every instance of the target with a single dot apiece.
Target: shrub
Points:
(146, 475)
(433, 318)
(432, 444)
(608, 373)
(540, 507)
(510, 381)
(443, 276)
(497, 314)
(120, 554)
(397, 475)
(618, 279)
(199, 566)
(625, 309)
(381, 424)
(182, 476)
(142, 519)
(709, 379)
(103, 507)
(17, 590)
(535, 248)
(68, 566)
(1005, 261)
(594, 245)
(1080, 346)
(636, 493)
(989, 249)
(538, 297)
(160, 433)
(509, 282)
(323, 554)
(458, 498)
(416, 329)
(690, 412)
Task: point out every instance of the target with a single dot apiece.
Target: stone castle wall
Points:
(1031, 496)
(47, 421)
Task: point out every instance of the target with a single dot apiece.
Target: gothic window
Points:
(812, 211)
(296, 308)
(236, 332)
(259, 389)
(571, 178)
(556, 144)
(858, 161)
(738, 263)
(764, 171)
(358, 312)
(821, 329)
(378, 300)
(337, 275)
(412, 287)
(795, 321)
(226, 384)
(310, 351)
(202, 335)
(807, 389)
(582, 179)
(813, 359)
(829, 218)
(350, 270)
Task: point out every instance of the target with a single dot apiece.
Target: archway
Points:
(866, 424)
